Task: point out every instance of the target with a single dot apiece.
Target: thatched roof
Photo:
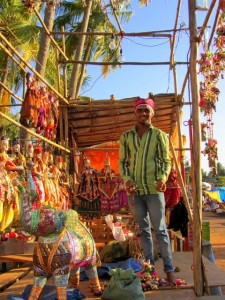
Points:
(99, 121)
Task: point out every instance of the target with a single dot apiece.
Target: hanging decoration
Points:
(39, 109)
(212, 67)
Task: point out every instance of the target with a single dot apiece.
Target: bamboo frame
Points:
(64, 66)
(181, 183)
(70, 61)
(11, 92)
(174, 36)
(116, 17)
(206, 19)
(197, 196)
(134, 34)
(214, 27)
(28, 65)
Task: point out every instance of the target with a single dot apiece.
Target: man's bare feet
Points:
(171, 279)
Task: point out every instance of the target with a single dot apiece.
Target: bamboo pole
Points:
(206, 19)
(61, 127)
(28, 65)
(214, 27)
(181, 183)
(66, 126)
(33, 133)
(174, 35)
(58, 68)
(145, 33)
(116, 17)
(81, 62)
(49, 34)
(184, 83)
(64, 66)
(196, 147)
(98, 103)
(11, 92)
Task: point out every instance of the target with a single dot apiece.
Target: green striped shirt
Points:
(144, 160)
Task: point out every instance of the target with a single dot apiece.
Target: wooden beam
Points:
(196, 151)
(174, 35)
(11, 92)
(70, 61)
(214, 27)
(206, 19)
(181, 183)
(156, 33)
(116, 17)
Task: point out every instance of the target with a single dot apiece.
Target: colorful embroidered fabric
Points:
(172, 193)
(88, 187)
(76, 248)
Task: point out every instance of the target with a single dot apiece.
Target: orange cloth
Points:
(97, 158)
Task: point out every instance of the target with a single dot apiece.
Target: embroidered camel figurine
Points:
(64, 244)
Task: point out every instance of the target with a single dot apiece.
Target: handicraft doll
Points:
(52, 116)
(88, 191)
(18, 159)
(37, 175)
(30, 106)
(31, 186)
(53, 175)
(108, 184)
(41, 122)
(50, 192)
(8, 194)
(64, 185)
(172, 193)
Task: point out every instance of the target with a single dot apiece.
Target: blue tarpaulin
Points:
(220, 191)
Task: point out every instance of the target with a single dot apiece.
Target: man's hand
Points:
(131, 187)
(161, 185)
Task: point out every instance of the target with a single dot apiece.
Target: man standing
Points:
(144, 164)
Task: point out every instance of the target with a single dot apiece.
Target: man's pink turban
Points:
(145, 103)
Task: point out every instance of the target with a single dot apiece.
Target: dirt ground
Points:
(217, 237)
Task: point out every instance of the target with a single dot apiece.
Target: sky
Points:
(131, 81)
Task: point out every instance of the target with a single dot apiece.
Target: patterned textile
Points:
(109, 194)
(73, 247)
(88, 187)
(172, 193)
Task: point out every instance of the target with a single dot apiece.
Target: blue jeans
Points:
(147, 210)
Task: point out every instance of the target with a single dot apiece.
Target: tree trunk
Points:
(73, 92)
(45, 40)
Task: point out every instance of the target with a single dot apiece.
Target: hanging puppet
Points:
(108, 183)
(172, 193)
(88, 191)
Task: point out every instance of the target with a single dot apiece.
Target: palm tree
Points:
(49, 15)
(94, 47)
(19, 27)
